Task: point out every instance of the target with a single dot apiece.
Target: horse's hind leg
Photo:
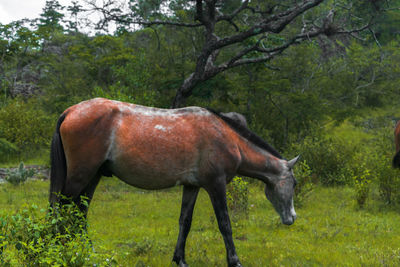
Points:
(88, 194)
(189, 197)
(81, 184)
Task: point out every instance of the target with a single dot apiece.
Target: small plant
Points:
(238, 196)
(19, 175)
(362, 186)
(304, 185)
(28, 238)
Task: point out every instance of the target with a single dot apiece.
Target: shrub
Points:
(388, 179)
(25, 125)
(326, 157)
(304, 185)
(7, 149)
(385, 176)
(28, 239)
(238, 196)
(19, 175)
(362, 183)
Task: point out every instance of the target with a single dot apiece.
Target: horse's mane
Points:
(246, 133)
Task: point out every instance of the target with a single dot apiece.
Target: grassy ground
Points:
(140, 228)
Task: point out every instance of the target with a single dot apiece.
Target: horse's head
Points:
(279, 190)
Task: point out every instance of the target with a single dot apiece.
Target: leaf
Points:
(18, 246)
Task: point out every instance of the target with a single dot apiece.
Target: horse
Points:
(152, 148)
(396, 158)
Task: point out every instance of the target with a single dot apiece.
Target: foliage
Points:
(7, 149)
(19, 175)
(326, 156)
(30, 238)
(362, 183)
(380, 153)
(305, 186)
(25, 125)
(238, 196)
(387, 178)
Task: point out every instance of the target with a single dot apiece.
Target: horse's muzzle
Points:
(289, 219)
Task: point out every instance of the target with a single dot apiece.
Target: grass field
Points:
(140, 228)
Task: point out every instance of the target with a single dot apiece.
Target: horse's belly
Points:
(155, 177)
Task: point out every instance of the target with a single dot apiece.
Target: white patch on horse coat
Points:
(160, 127)
(292, 211)
(150, 111)
(110, 153)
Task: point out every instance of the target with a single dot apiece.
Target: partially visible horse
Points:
(396, 158)
(154, 148)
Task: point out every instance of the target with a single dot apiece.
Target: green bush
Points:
(7, 150)
(362, 183)
(357, 154)
(326, 157)
(304, 186)
(25, 125)
(19, 175)
(387, 178)
(28, 238)
(237, 195)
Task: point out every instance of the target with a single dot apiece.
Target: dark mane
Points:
(246, 133)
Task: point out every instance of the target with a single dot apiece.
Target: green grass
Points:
(140, 228)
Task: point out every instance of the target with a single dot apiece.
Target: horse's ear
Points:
(292, 162)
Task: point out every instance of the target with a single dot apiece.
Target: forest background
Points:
(327, 87)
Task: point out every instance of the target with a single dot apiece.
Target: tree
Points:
(51, 18)
(237, 33)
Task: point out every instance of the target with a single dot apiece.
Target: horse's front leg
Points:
(217, 194)
(189, 197)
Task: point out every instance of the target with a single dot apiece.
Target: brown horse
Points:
(396, 158)
(154, 148)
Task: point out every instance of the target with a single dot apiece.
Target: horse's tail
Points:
(58, 173)
(396, 160)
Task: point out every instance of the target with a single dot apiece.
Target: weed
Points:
(32, 237)
(304, 185)
(362, 186)
(19, 175)
(238, 196)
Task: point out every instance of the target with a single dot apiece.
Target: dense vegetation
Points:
(333, 99)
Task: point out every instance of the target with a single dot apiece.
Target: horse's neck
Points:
(257, 162)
